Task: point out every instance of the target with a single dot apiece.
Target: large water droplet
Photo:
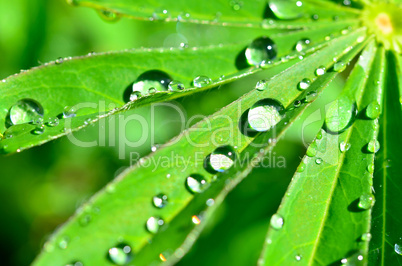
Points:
(373, 110)
(320, 71)
(222, 158)
(196, 183)
(302, 45)
(261, 49)
(398, 248)
(25, 111)
(373, 146)
(201, 81)
(341, 115)
(120, 255)
(265, 114)
(277, 221)
(286, 9)
(366, 201)
(153, 224)
(152, 79)
(160, 200)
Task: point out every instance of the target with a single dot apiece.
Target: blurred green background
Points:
(40, 188)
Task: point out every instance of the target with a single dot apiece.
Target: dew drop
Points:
(153, 224)
(370, 168)
(341, 115)
(373, 146)
(344, 146)
(176, 86)
(69, 112)
(196, 183)
(339, 66)
(59, 61)
(210, 202)
(236, 5)
(297, 103)
(304, 84)
(366, 237)
(318, 161)
(302, 45)
(222, 158)
(108, 15)
(38, 130)
(286, 9)
(398, 249)
(195, 219)
(261, 85)
(311, 95)
(319, 135)
(261, 49)
(120, 255)
(298, 257)
(265, 114)
(135, 95)
(354, 260)
(373, 110)
(162, 257)
(320, 71)
(152, 90)
(366, 201)
(201, 81)
(160, 200)
(52, 121)
(85, 220)
(312, 150)
(152, 79)
(63, 243)
(25, 111)
(301, 167)
(277, 221)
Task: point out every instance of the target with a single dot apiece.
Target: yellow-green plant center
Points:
(385, 21)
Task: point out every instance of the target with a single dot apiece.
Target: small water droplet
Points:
(302, 45)
(265, 114)
(261, 85)
(366, 201)
(160, 200)
(286, 9)
(320, 71)
(304, 84)
(261, 49)
(318, 161)
(210, 202)
(312, 150)
(319, 135)
(38, 130)
(341, 115)
(59, 61)
(297, 103)
(370, 168)
(398, 248)
(25, 111)
(152, 90)
(310, 96)
(222, 158)
(162, 257)
(277, 221)
(373, 146)
(298, 257)
(201, 81)
(301, 167)
(236, 5)
(176, 86)
(69, 112)
(108, 15)
(85, 219)
(196, 183)
(52, 121)
(344, 146)
(196, 220)
(153, 224)
(354, 260)
(339, 66)
(373, 110)
(120, 255)
(135, 95)
(156, 80)
(366, 237)
(63, 243)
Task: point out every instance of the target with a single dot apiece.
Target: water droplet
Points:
(196, 220)
(153, 79)
(59, 61)
(319, 135)
(301, 167)
(373, 146)
(210, 202)
(63, 243)
(302, 45)
(344, 146)
(297, 104)
(152, 90)
(120, 255)
(288, 9)
(135, 95)
(265, 114)
(261, 49)
(370, 168)
(312, 150)
(75, 263)
(236, 5)
(398, 249)
(69, 112)
(261, 85)
(341, 115)
(162, 257)
(52, 121)
(108, 15)
(38, 130)
(196, 183)
(25, 111)
(315, 17)
(201, 81)
(304, 84)
(298, 257)
(176, 86)
(85, 219)
(153, 224)
(373, 110)
(310, 96)
(339, 66)
(222, 158)
(366, 237)
(320, 71)
(160, 200)
(354, 260)
(366, 201)
(277, 221)
(318, 161)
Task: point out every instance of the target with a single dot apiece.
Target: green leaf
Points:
(97, 85)
(119, 213)
(387, 218)
(320, 220)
